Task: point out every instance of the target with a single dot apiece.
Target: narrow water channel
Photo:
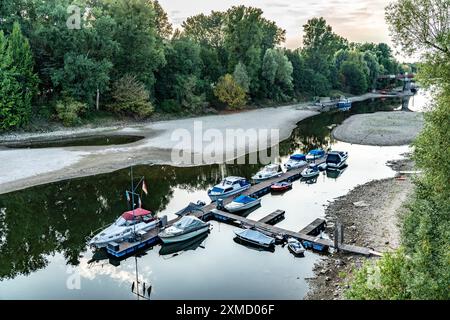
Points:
(43, 229)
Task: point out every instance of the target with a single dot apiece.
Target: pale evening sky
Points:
(356, 20)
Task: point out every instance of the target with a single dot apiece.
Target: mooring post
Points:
(341, 233)
(336, 238)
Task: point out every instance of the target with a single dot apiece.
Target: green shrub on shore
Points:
(69, 111)
(131, 98)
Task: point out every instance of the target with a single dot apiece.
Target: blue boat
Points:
(315, 154)
(344, 104)
(315, 246)
(295, 161)
(242, 203)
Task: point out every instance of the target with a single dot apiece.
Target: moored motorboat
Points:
(311, 171)
(344, 104)
(185, 228)
(242, 203)
(295, 247)
(295, 161)
(322, 166)
(125, 227)
(315, 154)
(281, 186)
(255, 237)
(228, 187)
(269, 171)
(336, 159)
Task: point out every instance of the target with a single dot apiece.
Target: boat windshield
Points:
(121, 222)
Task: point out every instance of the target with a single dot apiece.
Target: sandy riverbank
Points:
(380, 128)
(370, 216)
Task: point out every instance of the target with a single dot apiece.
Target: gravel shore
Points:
(370, 216)
(380, 128)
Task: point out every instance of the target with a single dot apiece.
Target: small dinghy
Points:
(242, 203)
(311, 171)
(295, 161)
(295, 247)
(255, 237)
(315, 154)
(281, 186)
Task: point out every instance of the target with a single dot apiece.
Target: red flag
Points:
(144, 187)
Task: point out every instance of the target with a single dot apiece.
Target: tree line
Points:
(127, 54)
(420, 269)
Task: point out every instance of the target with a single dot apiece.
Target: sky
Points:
(356, 20)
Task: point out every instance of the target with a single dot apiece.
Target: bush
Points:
(131, 98)
(170, 106)
(69, 110)
(229, 92)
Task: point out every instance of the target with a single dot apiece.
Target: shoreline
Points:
(25, 168)
(370, 216)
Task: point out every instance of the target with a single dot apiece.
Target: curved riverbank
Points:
(370, 216)
(381, 128)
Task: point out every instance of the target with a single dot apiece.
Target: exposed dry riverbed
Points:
(370, 216)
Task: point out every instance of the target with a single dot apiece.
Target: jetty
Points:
(266, 224)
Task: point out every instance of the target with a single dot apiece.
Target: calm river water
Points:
(43, 229)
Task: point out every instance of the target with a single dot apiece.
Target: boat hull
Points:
(255, 243)
(263, 178)
(231, 208)
(184, 236)
(215, 197)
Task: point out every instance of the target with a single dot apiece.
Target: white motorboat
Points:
(242, 203)
(269, 171)
(336, 159)
(295, 161)
(126, 226)
(295, 246)
(311, 171)
(228, 187)
(186, 228)
(315, 154)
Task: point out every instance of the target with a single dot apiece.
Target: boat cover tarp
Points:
(317, 152)
(298, 157)
(192, 207)
(244, 199)
(139, 212)
(255, 236)
(188, 222)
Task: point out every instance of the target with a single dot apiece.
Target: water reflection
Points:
(45, 227)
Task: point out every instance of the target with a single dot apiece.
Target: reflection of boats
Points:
(344, 104)
(295, 247)
(242, 203)
(281, 186)
(311, 171)
(336, 173)
(185, 228)
(190, 244)
(255, 237)
(126, 226)
(269, 171)
(315, 154)
(228, 187)
(295, 161)
(336, 159)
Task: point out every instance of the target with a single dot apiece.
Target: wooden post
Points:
(98, 100)
(336, 238)
(341, 233)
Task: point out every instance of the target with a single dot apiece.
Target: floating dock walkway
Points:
(266, 224)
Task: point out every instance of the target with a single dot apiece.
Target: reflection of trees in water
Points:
(57, 217)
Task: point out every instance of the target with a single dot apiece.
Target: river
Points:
(43, 253)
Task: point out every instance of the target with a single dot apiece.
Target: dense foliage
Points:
(80, 50)
(421, 269)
